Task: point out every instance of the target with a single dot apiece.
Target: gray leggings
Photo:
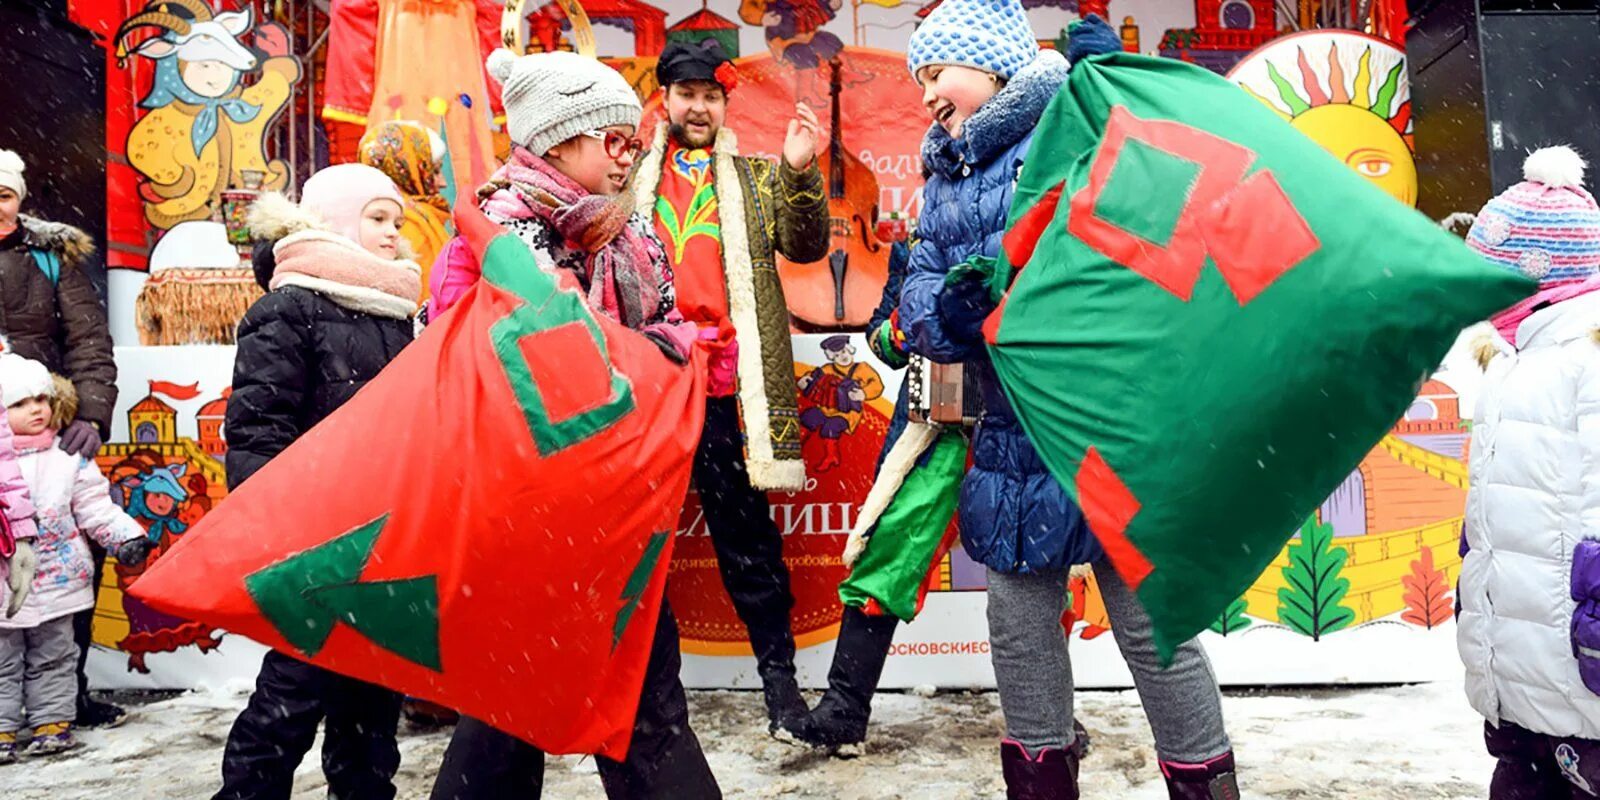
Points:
(1029, 648)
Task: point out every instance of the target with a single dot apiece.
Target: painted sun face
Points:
(1365, 143)
(1358, 109)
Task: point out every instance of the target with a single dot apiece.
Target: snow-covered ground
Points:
(1413, 742)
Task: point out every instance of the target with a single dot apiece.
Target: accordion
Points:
(940, 393)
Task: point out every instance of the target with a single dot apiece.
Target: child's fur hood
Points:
(73, 245)
(273, 216)
(1486, 348)
(64, 403)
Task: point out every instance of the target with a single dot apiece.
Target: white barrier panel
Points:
(1396, 525)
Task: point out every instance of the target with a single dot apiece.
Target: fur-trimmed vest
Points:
(765, 208)
(51, 312)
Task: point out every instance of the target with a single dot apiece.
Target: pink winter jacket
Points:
(73, 501)
(13, 490)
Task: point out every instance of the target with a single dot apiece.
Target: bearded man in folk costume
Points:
(722, 217)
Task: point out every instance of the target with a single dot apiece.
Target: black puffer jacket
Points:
(300, 357)
(57, 319)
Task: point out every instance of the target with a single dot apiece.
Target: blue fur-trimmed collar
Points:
(1002, 122)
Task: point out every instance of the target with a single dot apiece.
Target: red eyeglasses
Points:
(617, 143)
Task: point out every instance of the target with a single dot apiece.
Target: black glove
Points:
(964, 303)
(666, 347)
(133, 552)
(81, 439)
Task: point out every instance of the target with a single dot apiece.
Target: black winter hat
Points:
(691, 62)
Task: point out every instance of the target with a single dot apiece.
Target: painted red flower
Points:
(727, 75)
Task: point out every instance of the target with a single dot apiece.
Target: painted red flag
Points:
(176, 391)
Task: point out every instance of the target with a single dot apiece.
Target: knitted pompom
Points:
(11, 162)
(500, 63)
(1555, 167)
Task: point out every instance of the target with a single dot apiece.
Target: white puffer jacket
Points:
(1535, 496)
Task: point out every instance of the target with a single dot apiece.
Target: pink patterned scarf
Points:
(624, 280)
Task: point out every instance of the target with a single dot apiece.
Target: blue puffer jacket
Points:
(1015, 517)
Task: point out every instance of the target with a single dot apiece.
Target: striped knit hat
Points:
(1548, 226)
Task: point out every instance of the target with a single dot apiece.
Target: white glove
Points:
(23, 564)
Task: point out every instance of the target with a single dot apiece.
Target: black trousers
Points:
(664, 757)
(276, 729)
(83, 624)
(747, 542)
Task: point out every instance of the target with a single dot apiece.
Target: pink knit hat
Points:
(339, 194)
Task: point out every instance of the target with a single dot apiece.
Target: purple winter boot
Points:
(1211, 780)
(1050, 775)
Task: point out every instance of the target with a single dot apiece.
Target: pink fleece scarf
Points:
(621, 264)
(34, 443)
(1508, 321)
(347, 274)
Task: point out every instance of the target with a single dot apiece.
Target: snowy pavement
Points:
(1413, 742)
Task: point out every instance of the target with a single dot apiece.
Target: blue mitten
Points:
(1091, 37)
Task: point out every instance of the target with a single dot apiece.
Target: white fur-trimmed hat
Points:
(22, 378)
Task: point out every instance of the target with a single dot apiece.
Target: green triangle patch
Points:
(638, 581)
(306, 594)
(400, 616)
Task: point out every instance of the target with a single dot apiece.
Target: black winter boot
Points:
(774, 650)
(840, 718)
(1212, 780)
(1050, 775)
(786, 707)
(96, 714)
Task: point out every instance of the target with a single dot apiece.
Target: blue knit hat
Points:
(991, 35)
(1547, 227)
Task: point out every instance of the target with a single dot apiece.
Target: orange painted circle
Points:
(814, 524)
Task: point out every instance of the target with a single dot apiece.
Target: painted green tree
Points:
(1232, 620)
(1311, 603)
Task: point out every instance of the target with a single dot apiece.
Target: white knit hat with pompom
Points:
(11, 169)
(552, 97)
